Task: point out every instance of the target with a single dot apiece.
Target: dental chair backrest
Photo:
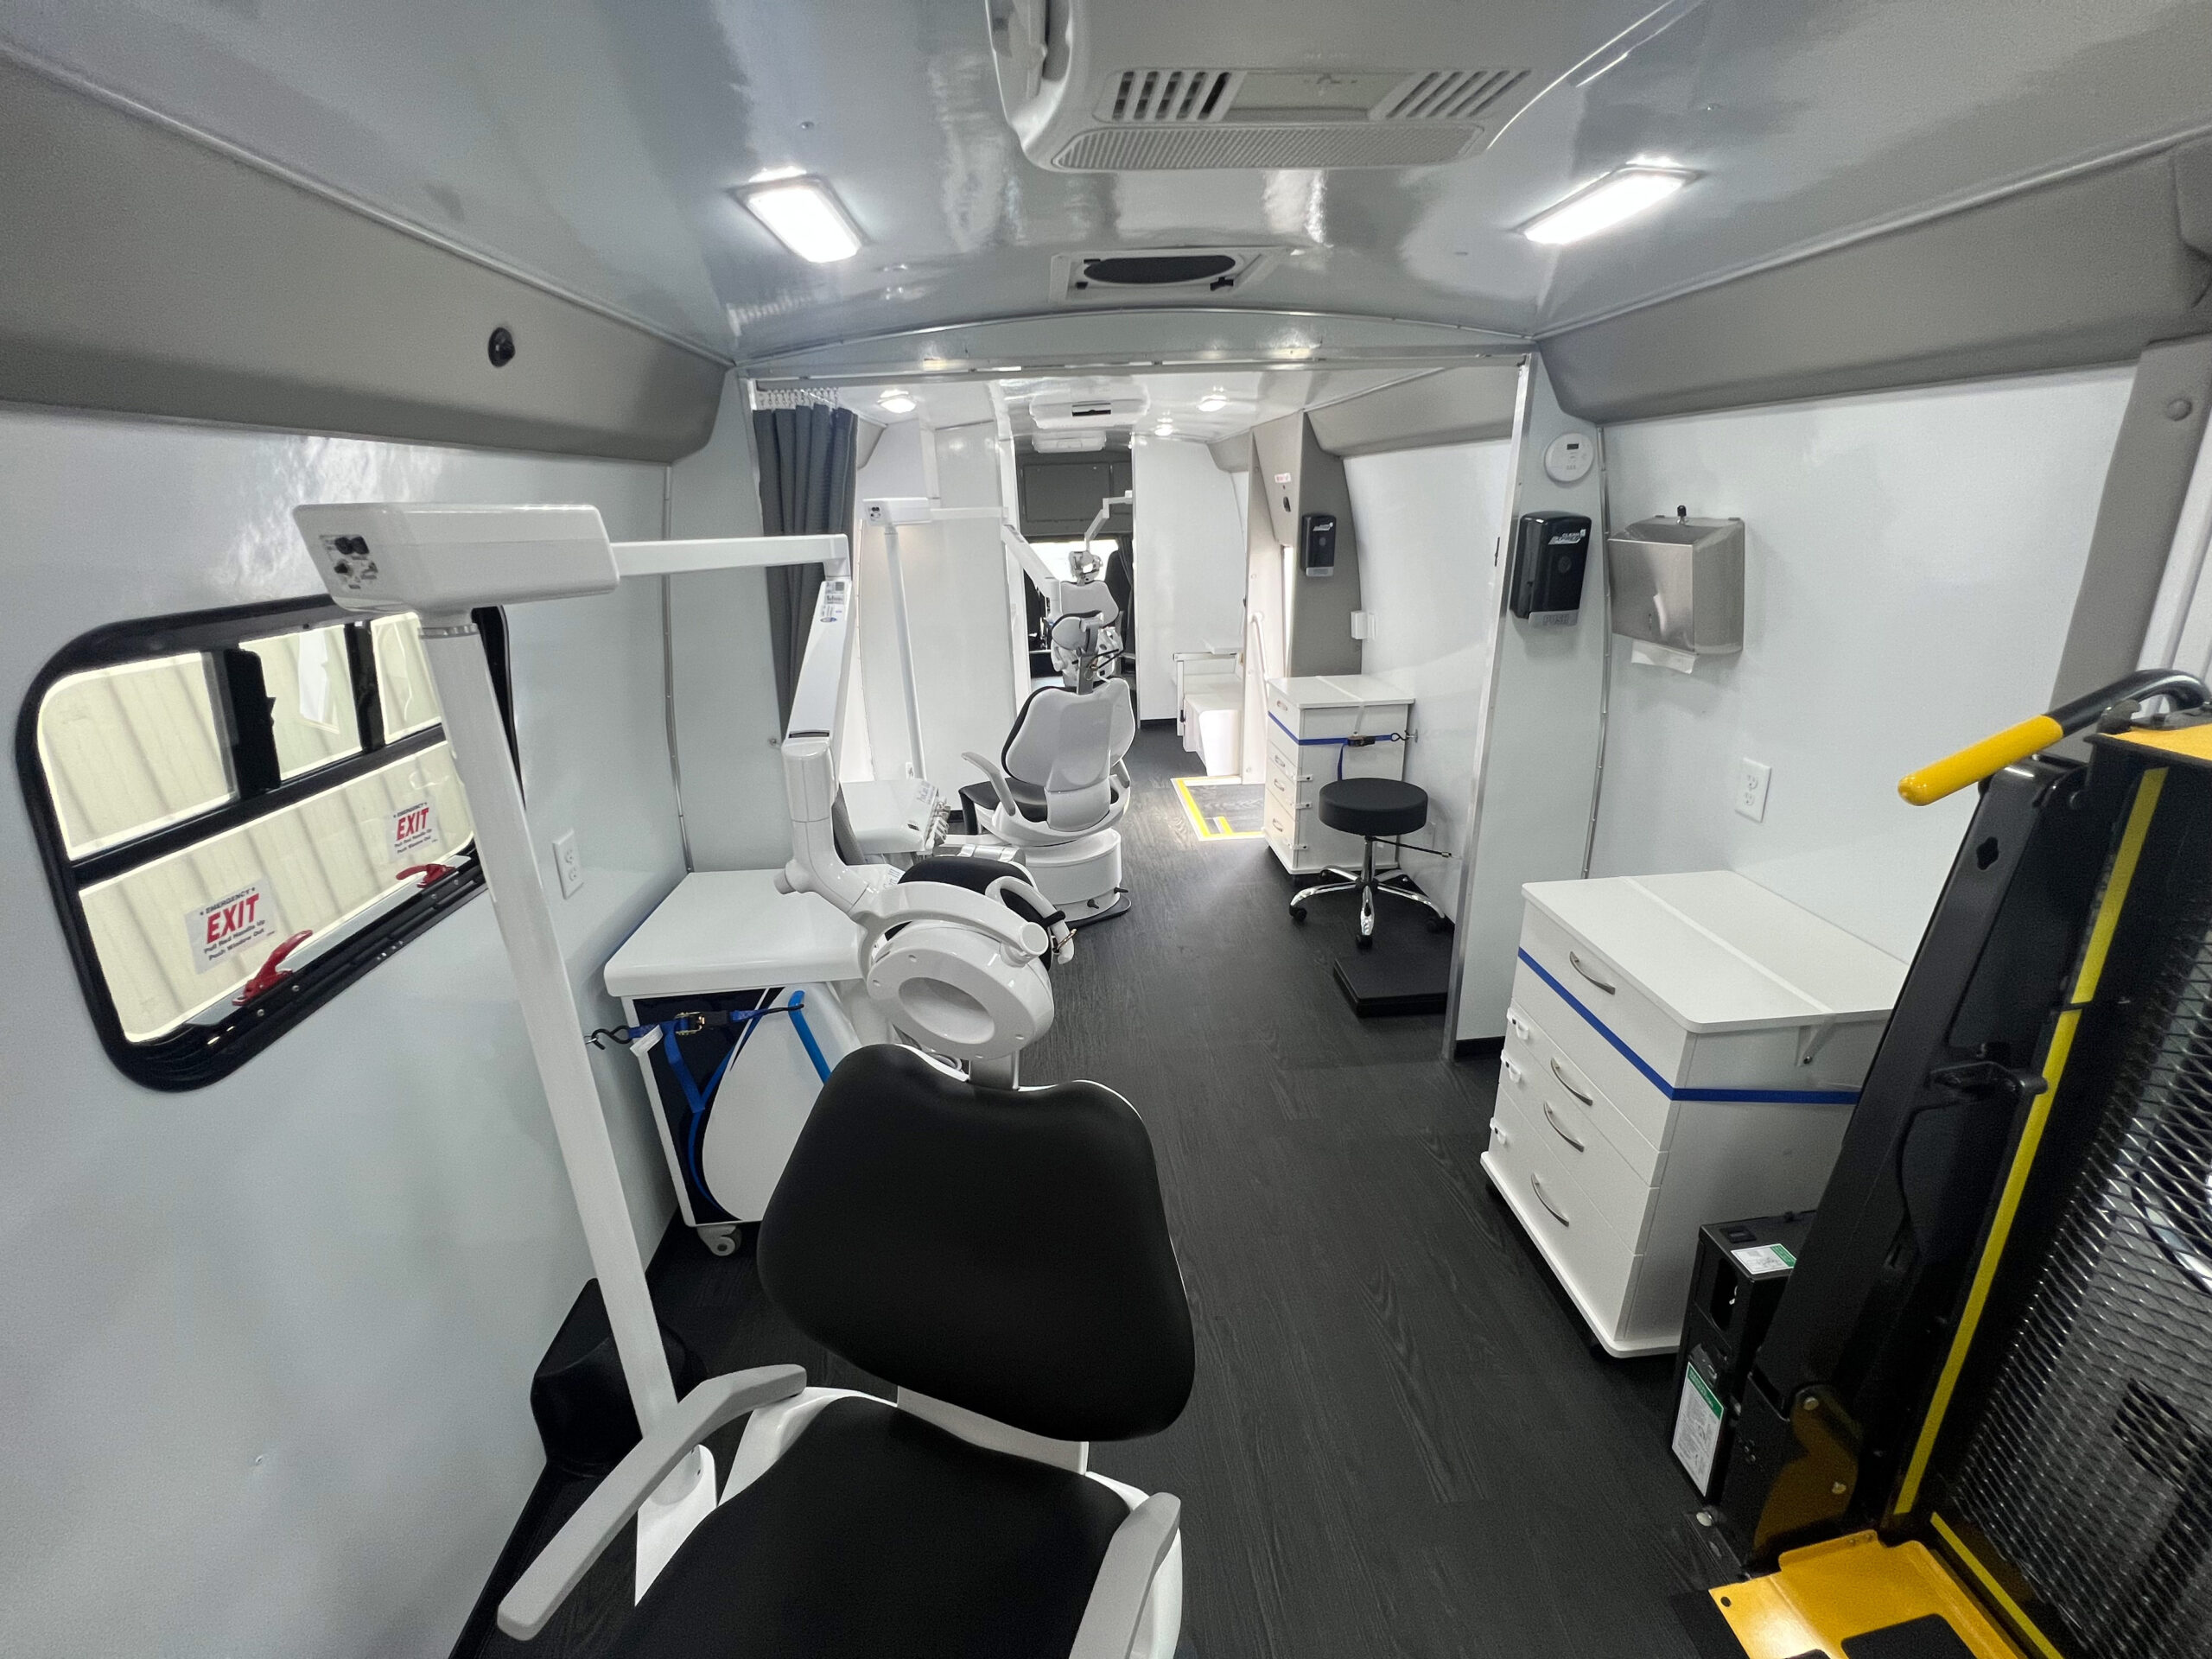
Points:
(1068, 742)
(1002, 1250)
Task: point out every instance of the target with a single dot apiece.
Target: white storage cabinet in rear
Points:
(1679, 1050)
(1308, 718)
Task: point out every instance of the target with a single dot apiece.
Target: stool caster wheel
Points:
(1298, 912)
(1365, 942)
(1436, 923)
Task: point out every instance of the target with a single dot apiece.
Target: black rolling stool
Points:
(1374, 808)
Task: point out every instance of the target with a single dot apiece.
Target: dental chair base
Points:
(1083, 877)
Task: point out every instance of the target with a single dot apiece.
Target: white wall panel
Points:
(725, 715)
(1429, 522)
(268, 1342)
(1912, 563)
(1188, 536)
(957, 602)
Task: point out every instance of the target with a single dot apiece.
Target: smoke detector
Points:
(1116, 275)
(1137, 85)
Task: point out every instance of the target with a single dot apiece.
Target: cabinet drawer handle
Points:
(1552, 1119)
(1569, 1087)
(1558, 1214)
(1587, 974)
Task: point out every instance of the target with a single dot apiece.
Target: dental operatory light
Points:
(896, 400)
(804, 214)
(1621, 194)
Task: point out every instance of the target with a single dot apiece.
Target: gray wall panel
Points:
(1465, 405)
(145, 272)
(2088, 271)
(2150, 466)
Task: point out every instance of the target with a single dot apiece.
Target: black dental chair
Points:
(1002, 1258)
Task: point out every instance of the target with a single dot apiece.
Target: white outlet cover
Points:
(1751, 780)
(567, 863)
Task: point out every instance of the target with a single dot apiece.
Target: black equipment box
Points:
(1737, 1280)
(1317, 537)
(1551, 551)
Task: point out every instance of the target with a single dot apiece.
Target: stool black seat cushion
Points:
(1380, 807)
(880, 1537)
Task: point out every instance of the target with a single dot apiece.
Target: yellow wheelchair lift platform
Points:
(1829, 1593)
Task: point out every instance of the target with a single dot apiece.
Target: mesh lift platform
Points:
(1981, 1422)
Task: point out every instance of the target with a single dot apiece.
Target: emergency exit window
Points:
(240, 812)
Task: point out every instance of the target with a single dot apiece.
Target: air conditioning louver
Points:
(1448, 94)
(1170, 95)
(1115, 85)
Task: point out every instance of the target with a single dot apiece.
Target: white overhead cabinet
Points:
(1679, 1050)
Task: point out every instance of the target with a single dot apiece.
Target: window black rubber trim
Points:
(196, 1056)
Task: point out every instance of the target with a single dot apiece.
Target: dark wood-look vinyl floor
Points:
(1399, 1443)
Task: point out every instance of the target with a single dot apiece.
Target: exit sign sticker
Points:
(229, 925)
(412, 827)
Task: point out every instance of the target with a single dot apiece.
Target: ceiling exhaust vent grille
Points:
(1365, 143)
(1181, 95)
(1117, 276)
(1448, 94)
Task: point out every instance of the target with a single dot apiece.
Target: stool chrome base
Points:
(1366, 883)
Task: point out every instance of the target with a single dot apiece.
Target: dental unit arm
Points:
(1082, 619)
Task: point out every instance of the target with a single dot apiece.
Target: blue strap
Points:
(806, 1035)
(698, 1097)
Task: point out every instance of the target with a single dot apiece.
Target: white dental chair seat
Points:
(1062, 754)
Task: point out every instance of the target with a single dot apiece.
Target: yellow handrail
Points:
(1979, 760)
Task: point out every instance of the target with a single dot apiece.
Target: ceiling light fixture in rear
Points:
(804, 215)
(1621, 194)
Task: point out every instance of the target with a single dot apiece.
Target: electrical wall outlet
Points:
(567, 861)
(1752, 777)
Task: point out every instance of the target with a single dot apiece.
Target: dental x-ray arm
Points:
(441, 562)
(811, 760)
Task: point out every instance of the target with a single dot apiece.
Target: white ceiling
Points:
(1246, 398)
(591, 143)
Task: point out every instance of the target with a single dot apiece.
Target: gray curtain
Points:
(806, 489)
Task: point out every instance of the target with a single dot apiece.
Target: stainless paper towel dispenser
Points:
(1678, 582)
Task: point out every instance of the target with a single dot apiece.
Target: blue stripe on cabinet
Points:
(1785, 1097)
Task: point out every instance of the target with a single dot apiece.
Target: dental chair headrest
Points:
(1002, 1250)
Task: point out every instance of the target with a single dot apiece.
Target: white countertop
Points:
(1720, 952)
(1336, 690)
(731, 930)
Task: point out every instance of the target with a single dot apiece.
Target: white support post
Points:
(906, 651)
(479, 738)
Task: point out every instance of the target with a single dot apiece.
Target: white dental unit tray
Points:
(889, 814)
(728, 941)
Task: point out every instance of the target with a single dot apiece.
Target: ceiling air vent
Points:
(1448, 94)
(1170, 95)
(1118, 275)
(1110, 86)
(1153, 120)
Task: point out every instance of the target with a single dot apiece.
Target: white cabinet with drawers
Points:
(1679, 1050)
(1308, 717)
